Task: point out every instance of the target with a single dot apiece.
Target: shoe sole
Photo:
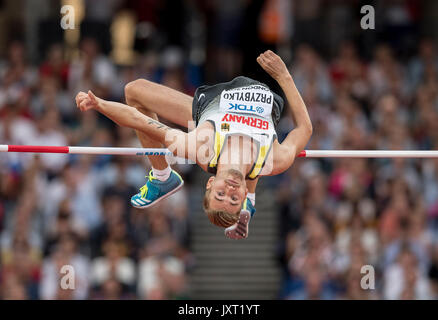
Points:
(233, 232)
(161, 198)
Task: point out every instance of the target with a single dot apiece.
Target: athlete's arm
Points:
(297, 139)
(175, 140)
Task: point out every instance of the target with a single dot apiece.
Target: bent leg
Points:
(154, 99)
(166, 102)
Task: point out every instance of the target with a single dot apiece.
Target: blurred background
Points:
(316, 225)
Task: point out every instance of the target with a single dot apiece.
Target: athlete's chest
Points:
(238, 127)
(207, 137)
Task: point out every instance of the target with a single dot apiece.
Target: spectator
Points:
(336, 215)
(55, 66)
(113, 265)
(161, 277)
(65, 253)
(404, 279)
(112, 289)
(92, 71)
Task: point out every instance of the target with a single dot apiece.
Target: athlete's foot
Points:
(240, 229)
(155, 190)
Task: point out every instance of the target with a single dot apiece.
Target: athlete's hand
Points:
(273, 65)
(86, 101)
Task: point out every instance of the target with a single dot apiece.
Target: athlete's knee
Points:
(133, 88)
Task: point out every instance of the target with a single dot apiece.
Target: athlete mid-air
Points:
(234, 138)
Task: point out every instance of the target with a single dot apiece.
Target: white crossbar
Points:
(159, 151)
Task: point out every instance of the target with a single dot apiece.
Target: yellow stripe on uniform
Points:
(218, 144)
(259, 163)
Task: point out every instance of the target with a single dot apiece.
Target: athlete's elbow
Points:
(309, 130)
(286, 161)
(306, 130)
(309, 127)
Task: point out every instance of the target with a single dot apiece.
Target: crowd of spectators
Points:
(336, 215)
(60, 210)
(339, 215)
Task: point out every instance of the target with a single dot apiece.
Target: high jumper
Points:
(234, 137)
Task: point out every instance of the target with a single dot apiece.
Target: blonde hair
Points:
(219, 218)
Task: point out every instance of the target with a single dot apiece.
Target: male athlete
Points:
(234, 138)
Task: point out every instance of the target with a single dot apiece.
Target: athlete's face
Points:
(227, 191)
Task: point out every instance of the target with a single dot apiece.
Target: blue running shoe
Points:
(240, 229)
(155, 190)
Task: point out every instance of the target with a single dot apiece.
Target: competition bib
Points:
(255, 99)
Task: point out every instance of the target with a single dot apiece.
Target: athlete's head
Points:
(224, 197)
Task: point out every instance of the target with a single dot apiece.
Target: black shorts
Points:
(211, 92)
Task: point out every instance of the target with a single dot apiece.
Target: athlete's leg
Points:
(251, 185)
(154, 99)
(166, 102)
(157, 100)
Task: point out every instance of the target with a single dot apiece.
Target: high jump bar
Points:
(161, 151)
